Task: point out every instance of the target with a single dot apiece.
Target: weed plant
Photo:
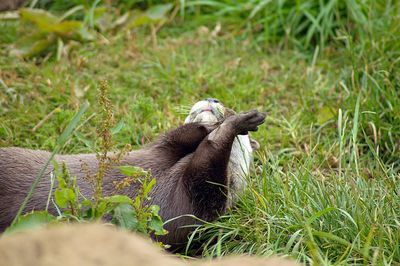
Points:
(130, 213)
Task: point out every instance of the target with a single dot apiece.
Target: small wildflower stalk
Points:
(106, 122)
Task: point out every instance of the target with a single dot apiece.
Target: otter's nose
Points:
(212, 100)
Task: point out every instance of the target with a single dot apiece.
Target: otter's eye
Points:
(212, 100)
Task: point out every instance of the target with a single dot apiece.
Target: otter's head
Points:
(209, 110)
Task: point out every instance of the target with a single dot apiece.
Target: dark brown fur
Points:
(10, 4)
(189, 163)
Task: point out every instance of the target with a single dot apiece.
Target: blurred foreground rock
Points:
(95, 244)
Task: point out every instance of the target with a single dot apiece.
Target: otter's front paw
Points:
(248, 121)
(209, 127)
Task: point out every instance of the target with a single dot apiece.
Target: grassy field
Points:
(325, 186)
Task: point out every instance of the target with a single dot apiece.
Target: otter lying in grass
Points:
(195, 165)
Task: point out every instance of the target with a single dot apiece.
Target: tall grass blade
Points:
(62, 139)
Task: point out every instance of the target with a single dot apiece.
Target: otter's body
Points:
(189, 163)
(19, 167)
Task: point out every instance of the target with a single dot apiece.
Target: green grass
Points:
(326, 183)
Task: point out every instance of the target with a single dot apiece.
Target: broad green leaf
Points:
(48, 30)
(29, 39)
(87, 211)
(158, 12)
(140, 20)
(154, 209)
(64, 196)
(84, 35)
(325, 114)
(99, 12)
(33, 45)
(148, 186)
(66, 28)
(117, 199)
(118, 127)
(33, 220)
(87, 203)
(137, 203)
(61, 182)
(141, 226)
(153, 15)
(101, 209)
(41, 18)
(124, 215)
(108, 204)
(155, 223)
(133, 171)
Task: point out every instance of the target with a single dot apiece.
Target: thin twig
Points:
(41, 122)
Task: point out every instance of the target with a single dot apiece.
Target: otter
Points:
(192, 165)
